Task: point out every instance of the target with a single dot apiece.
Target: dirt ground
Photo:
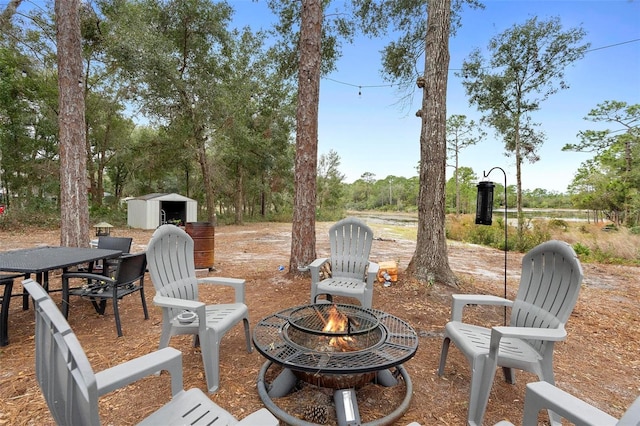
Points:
(599, 361)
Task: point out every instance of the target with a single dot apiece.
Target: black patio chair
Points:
(110, 243)
(126, 278)
(5, 298)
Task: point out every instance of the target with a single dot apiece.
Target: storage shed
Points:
(152, 210)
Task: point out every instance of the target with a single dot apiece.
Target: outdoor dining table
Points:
(41, 260)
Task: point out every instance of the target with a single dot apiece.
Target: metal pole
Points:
(505, 232)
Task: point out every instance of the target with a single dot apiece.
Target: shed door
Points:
(173, 212)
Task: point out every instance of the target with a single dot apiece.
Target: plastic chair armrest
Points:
(314, 268)
(532, 333)
(372, 273)
(172, 302)
(543, 395)
(88, 276)
(169, 359)
(237, 284)
(459, 301)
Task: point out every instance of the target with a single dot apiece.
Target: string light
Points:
(359, 86)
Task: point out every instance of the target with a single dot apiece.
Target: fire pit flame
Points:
(338, 322)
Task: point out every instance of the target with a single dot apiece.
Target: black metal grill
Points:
(313, 319)
(389, 343)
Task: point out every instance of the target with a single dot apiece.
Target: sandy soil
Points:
(598, 362)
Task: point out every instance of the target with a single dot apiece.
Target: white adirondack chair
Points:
(549, 285)
(170, 261)
(71, 388)
(542, 395)
(348, 271)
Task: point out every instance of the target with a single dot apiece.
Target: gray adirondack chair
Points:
(549, 285)
(71, 388)
(542, 395)
(348, 271)
(170, 261)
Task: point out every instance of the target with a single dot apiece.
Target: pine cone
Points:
(315, 414)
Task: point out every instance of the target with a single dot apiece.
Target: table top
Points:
(48, 258)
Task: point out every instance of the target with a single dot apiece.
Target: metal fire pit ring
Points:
(312, 319)
(398, 342)
(292, 420)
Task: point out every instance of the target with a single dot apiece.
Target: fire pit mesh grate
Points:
(315, 318)
(395, 342)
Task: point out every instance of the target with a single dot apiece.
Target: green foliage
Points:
(587, 240)
(604, 255)
(463, 228)
(284, 216)
(559, 224)
(581, 249)
(635, 230)
(490, 236)
(330, 215)
(329, 188)
(108, 214)
(530, 239)
(38, 214)
(526, 66)
(609, 181)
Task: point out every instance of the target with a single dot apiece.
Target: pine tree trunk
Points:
(430, 262)
(209, 193)
(238, 196)
(74, 206)
(303, 229)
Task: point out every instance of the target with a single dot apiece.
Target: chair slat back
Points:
(350, 240)
(132, 268)
(171, 263)
(549, 287)
(115, 243)
(63, 371)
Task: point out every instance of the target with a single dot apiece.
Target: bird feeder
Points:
(484, 206)
(103, 229)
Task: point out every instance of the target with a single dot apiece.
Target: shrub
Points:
(491, 236)
(558, 224)
(581, 249)
(20, 218)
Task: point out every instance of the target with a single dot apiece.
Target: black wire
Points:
(460, 69)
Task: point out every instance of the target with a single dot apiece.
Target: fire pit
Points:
(341, 347)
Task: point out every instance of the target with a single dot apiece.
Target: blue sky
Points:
(372, 133)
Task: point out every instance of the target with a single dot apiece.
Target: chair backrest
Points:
(115, 243)
(171, 263)
(350, 240)
(63, 371)
(131, 268)
(549, 286)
